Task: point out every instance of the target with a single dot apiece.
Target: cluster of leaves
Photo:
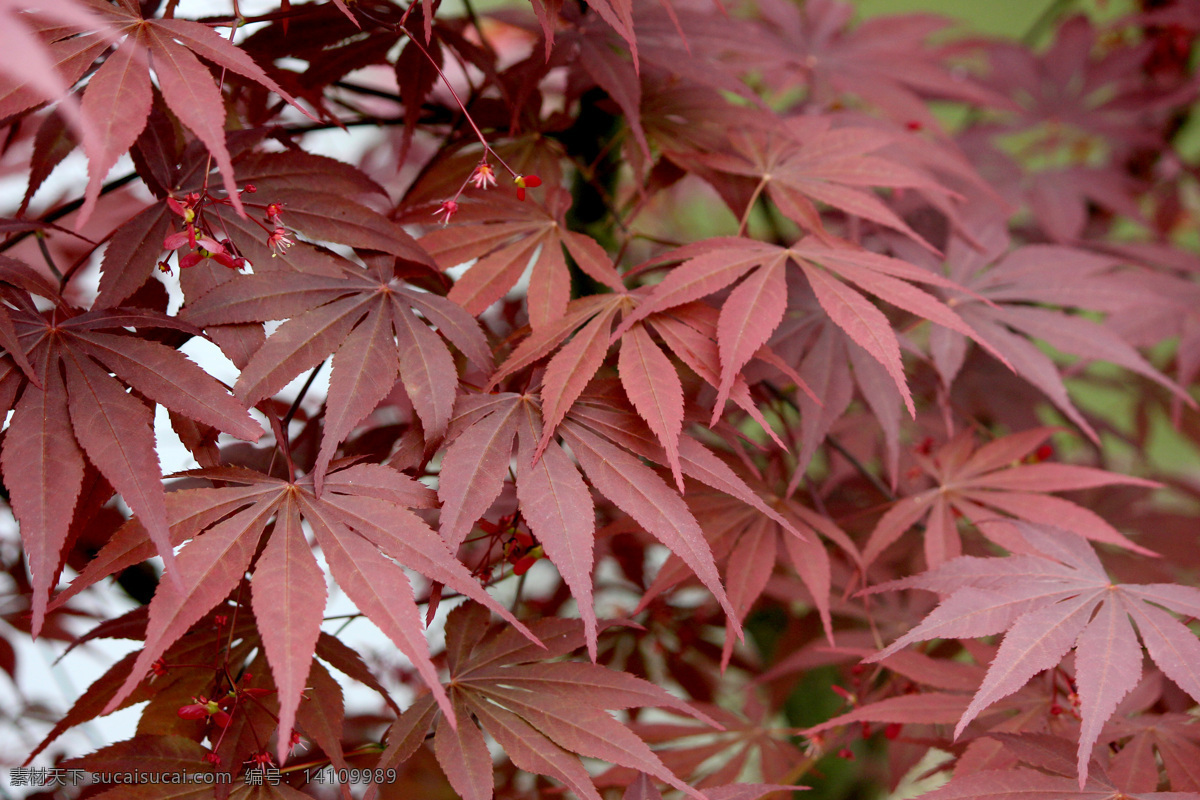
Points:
(697, 332)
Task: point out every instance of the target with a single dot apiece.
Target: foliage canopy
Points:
(694, 332)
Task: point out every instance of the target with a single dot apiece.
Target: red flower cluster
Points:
(198, 236)
(483, 177)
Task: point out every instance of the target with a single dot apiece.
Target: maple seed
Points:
(203, 707)
(526, 181)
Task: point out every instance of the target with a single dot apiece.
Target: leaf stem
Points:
(41, 242)
(745, 220)
(291, 412)
(871, 477)
(68, 208)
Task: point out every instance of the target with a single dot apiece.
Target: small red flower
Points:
(483, 176)
(447, 208)
(279, 242)
(526, 182)
(274, 210)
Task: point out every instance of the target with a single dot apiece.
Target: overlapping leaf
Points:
(1050, 602)
(1009, 303)
(987, 483)
(77, 409)
(365, 530)
(173, 48)
(649, 379)
(554, 499)
(885, 61)
(368, 321)
(819, 351)
(1173, 738)
(807, 160)
(713, 760)
(1049, 779)
(505, 236)
(749, 536)
(543, 714)
(755, 307)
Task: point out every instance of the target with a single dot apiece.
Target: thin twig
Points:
(41, 241)
(871, 477)
(291, 412)
(68, 208)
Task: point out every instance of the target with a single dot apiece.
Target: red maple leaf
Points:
(1059, 599)
(365, 529)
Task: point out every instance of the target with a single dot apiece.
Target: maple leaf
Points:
(978, 483)
(1173, 737)
(647, 376)
(1049, 603)
(172, 48)
(1079, 112)
(603, 61)
(368, 320)
(749, 534)
(1050, 777)
(819, 351)
(365, 529)
(71, 408)
(884, 62)
(506, 236)
(42, 66)
(543, 714)
(1010, 304)
(714, 759)
(807, 159)
(207, 638)
(554, 499)
(755, 308)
